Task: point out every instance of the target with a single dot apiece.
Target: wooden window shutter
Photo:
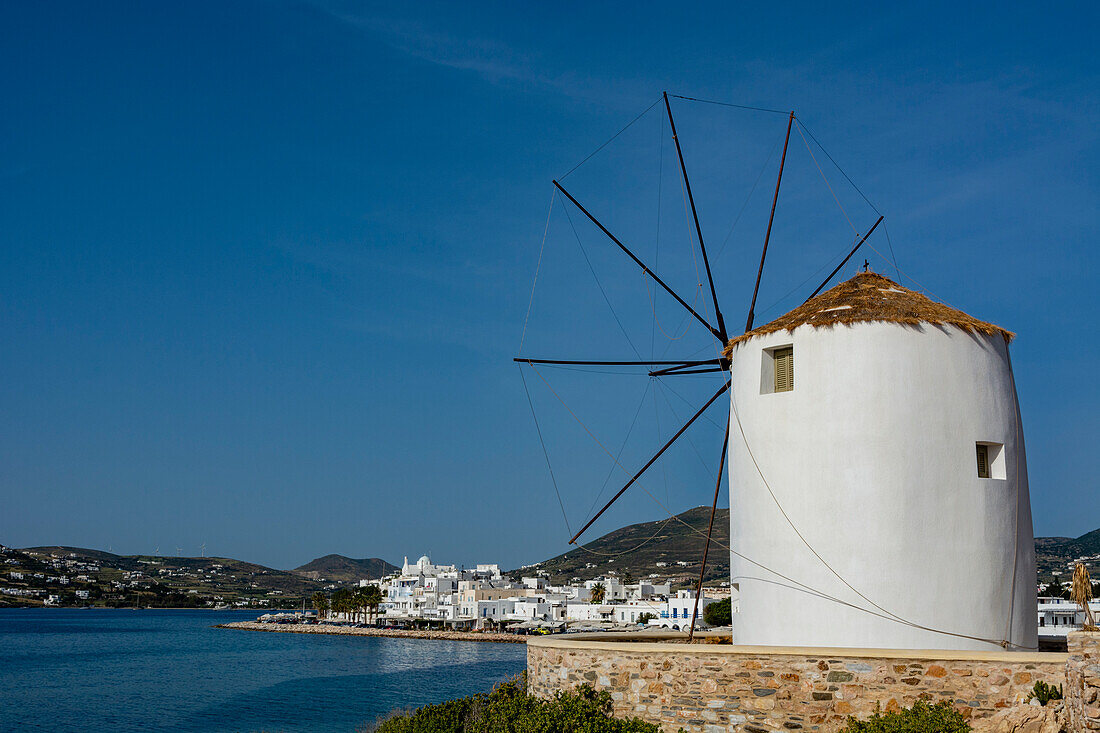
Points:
(983, 461)
(784, 369)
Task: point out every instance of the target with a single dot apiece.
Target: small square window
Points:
(983, 460)
(777, 370)
(990, 460)
(784, 369)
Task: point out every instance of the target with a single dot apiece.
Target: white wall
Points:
(872, 455)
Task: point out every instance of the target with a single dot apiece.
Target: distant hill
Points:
(1057, 554)
(639, 549)
(100, 555)
(344, 569)
(1086, 544)
(152, 580)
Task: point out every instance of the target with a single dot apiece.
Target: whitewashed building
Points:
(1057, 617)
(878, 480)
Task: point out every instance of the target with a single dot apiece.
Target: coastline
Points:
(493, 637)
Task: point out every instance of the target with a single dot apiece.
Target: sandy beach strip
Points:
(496, 637)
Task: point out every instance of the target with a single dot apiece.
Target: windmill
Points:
(883, 435)
(717, 329)
(156, 552)
(202, 550)
(179, 550)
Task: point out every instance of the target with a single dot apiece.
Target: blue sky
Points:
(264, 266)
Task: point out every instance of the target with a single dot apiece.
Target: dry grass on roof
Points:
(872, 297)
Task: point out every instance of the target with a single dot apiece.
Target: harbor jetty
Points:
(323, 628)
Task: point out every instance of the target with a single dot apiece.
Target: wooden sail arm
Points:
(676, 362)
(677, 373)
(651, 461)
(722, 335)
(710, 529)
(845, 260)
(717, 334)
(768, 234)
(711, 365)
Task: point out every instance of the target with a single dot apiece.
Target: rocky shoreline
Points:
(495, 637)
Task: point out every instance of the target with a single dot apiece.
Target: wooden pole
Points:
(710, 530)
(698, 230)
(678, 363)
(842, 262)
(641, 264)
(677, 371)
(651, 461)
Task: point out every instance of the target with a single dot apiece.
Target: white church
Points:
(878, 481)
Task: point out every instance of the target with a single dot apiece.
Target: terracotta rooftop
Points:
(872, 297)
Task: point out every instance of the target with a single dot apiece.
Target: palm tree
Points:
(373, 595)
(320, 603)
(341, 601)
(361, 602)
(599, 592)
(1082, 594)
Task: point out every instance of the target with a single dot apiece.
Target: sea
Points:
(170, 670)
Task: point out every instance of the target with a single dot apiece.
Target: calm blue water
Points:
(107, 670)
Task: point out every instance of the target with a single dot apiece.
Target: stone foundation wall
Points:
(1082, 690)
(711, 688)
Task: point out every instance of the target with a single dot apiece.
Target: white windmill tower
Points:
(877, 477)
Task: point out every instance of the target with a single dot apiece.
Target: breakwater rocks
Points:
(392, 633)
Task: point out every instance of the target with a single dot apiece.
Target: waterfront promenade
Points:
(496, 637)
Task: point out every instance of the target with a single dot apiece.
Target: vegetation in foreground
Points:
(509, 709)
(1044, 693)
(921, 718)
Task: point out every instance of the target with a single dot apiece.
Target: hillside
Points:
(223, 573)
(80, 576)
(665, 548)
(1057, 554)
(344, 569)
(100, 555)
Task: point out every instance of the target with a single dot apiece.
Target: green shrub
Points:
(1044, 693)
(921, 718)
(509, 709)
(719, 613)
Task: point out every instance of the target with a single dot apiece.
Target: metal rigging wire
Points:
(759, 176)
(545, 452)
(538, 267)
(608, 141)
(831, 160)
(730, 104)
(626, 439)
(600, 285)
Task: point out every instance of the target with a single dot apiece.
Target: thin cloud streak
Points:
(494, 61)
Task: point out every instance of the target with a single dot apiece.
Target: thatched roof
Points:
(871, 297)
